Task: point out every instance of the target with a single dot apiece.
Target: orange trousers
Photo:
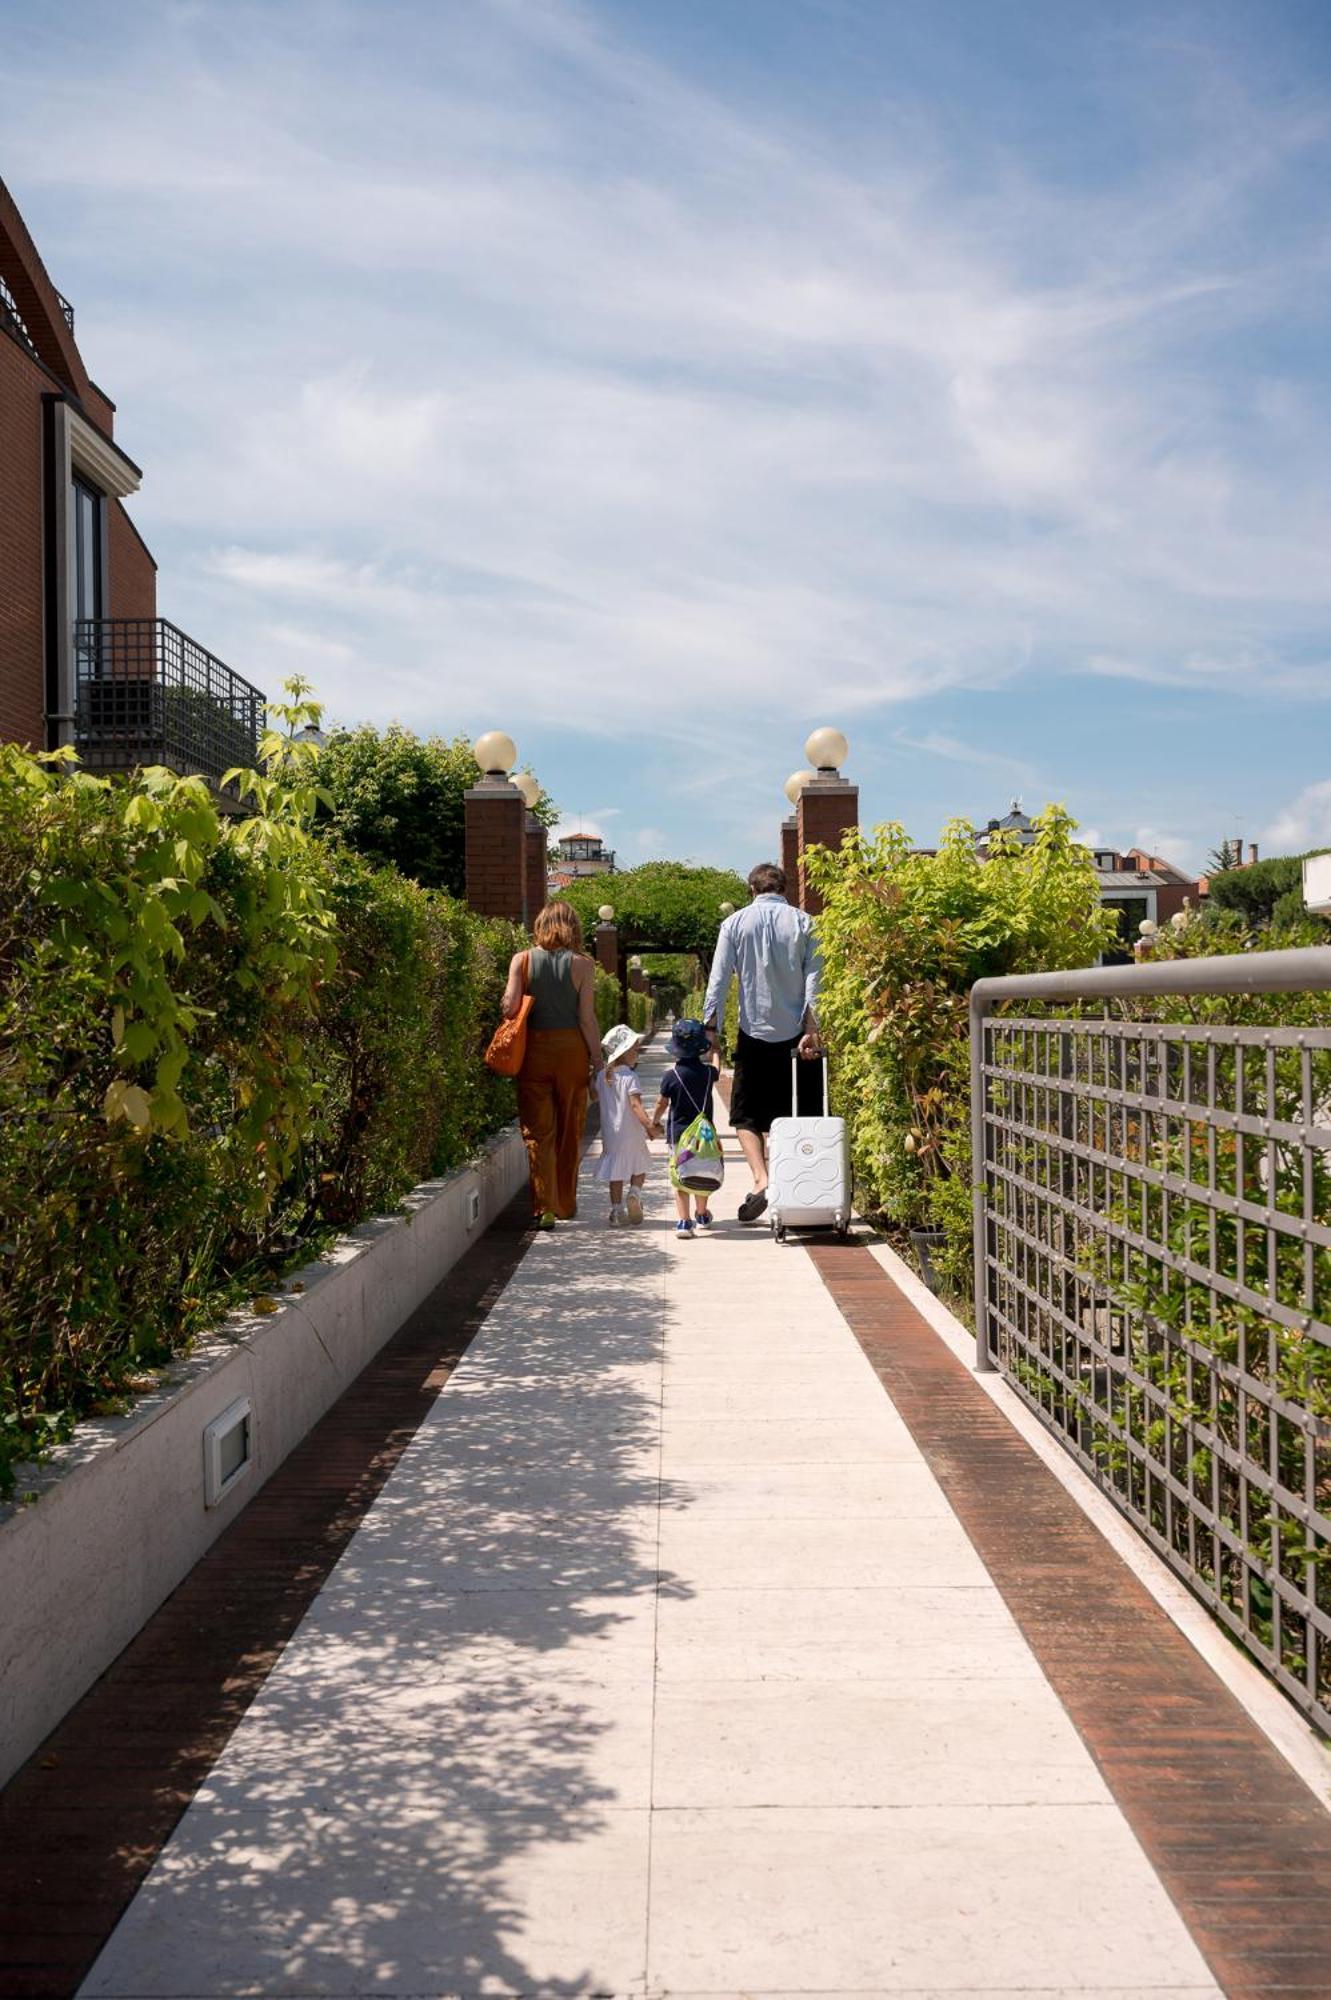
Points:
(552, 1109)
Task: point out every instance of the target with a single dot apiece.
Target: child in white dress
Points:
(625, 1126)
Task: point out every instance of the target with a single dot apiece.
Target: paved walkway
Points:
(660, 1665)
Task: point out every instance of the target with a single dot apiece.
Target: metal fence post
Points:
(984, 1360)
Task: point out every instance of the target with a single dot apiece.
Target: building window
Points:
(88, 504)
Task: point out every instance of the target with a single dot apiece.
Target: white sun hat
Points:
(618, 1041)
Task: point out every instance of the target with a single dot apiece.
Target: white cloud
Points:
(1305, 822)
(489, 369)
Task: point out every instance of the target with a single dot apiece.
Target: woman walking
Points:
(563, 1056)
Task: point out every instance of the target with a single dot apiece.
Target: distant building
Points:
(84, 658)
(1140, 886)
(1014, 821)
(578, 855)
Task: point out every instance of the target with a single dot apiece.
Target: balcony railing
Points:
(146, 693)
(1153, 1264)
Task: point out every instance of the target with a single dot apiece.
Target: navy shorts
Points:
(761, 1088)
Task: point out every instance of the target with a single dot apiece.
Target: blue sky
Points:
(657, 379)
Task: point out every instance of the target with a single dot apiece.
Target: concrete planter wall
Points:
(119, 1516)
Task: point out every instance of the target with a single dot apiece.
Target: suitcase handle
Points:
(795, 1060)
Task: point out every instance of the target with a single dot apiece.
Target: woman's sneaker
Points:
(633, 1206)
(684, 1228)
(704, 1218)
(616, 1219)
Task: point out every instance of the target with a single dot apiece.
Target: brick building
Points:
(84, 658)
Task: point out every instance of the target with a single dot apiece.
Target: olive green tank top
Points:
(554, 996)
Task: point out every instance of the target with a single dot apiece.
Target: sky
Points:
(659, 379)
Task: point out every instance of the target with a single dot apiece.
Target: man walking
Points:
(771, 949)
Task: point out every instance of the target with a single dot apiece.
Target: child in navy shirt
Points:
(686, 1094)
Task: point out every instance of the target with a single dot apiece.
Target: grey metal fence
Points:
(1153, 1264)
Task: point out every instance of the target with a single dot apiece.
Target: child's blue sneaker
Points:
(704, 1218)
(684, 1228)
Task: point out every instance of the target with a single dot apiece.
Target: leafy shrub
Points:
(904, 937)
(670, 906)
(1265, 892)
(217, 1037)
(397, 798)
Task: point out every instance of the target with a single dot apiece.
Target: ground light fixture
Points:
(495, 753)
(227, 1443)
(530, 787)
(827, 750)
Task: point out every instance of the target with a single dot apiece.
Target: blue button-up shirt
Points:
(770, 947)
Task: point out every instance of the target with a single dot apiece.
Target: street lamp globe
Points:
(726, 909)
(606, 913)
(495, 753)
(635, 964)
(530, 787)
(795, 784)
(827, 749)
(1147, 927)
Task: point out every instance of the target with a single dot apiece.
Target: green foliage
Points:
(673, 976)
(217, 1037)
(1254, 892)
(904, 937)
(397, 798)
(610, 1006)
(664, 905)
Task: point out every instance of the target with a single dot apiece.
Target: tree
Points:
(667, 906)
(397, 798)
(1229, 854)
(1261, 891)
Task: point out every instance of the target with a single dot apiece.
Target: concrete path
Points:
(660, 1666)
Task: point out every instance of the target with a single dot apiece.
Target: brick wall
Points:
(537, 868)
(790, 858)
(827, 807)
(496, 835)
(131, 581)
(22, 691)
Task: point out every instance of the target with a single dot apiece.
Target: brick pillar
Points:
(637, 979)
(790, 858)
(605, 943)
(538, 868)
(828, 807)
(496, 834)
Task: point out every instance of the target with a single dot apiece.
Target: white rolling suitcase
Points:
(808, 1165)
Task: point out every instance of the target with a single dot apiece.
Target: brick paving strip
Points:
(83, 1821)
(1238, 1840)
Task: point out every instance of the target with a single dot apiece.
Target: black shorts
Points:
(761, 1088)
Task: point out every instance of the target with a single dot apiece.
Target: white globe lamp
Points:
(606, 913)
(795, 784)
(726, 909)
(1147, 927)
(827, 749)
(495, 753)
(635, 965)
(530, 787)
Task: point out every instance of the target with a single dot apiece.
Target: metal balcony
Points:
(146, 693)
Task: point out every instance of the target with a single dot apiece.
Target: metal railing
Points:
(1152, 1217)
(146, 693)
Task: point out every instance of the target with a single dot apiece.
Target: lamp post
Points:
(537, 870)
(790, 839)
(606, 941)
(495, 821)
(827, 806)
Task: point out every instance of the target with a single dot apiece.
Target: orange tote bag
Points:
(508, 1044)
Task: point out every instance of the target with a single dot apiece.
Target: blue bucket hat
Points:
(688, 1038)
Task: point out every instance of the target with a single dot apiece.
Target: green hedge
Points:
(904, 936)
(219, 1039)
(609, 1006)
